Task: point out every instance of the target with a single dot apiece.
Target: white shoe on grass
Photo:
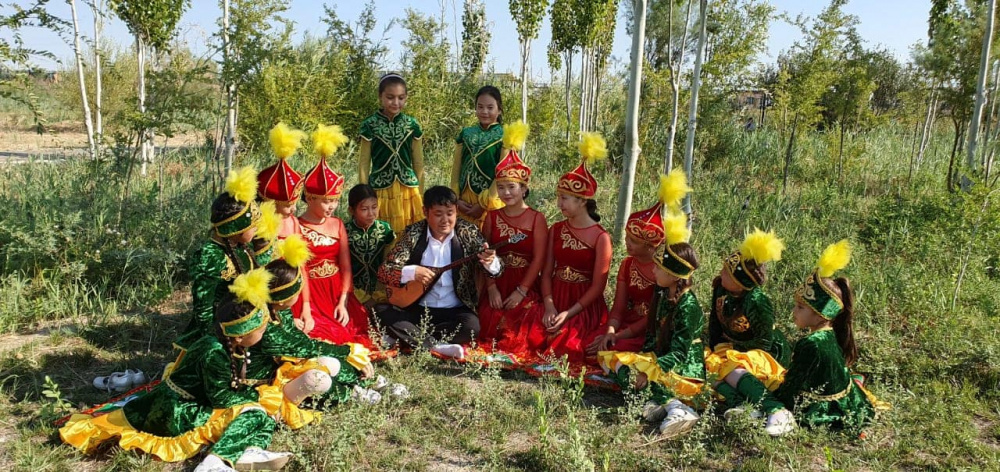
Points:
(255, 458)
(213, 463)
(380, 383)
(398, 391)
(738, 412)
(680, 419)
(454, 351)
(653, 412)
(780, 423)
(365, 395)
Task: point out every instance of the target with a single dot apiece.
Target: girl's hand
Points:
(300, 324)
(513, 300)
(550, 314)
(601, 343)
(368, 371)
(558, 322)
(496, 301)
(641, 381)
(464, 207)
(341, 315)
(308, 323)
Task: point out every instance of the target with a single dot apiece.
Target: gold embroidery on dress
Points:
(571, 275)
(636, 279)
(327, 269)
(229, 273)
(316, 238)
(514, 260)
(570, 241)
(642, 310)
(506, 231)
(740, 324)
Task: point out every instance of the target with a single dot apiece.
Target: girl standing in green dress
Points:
(478, 150)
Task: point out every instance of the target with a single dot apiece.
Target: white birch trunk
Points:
(631, 122)
(675, 85)
(230, 92)
(525, 54)
(98, 81)
(144, 150)
(977, 110)
(78, 52)
(693, 113)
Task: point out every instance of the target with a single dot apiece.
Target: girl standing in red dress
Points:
(518, 285)
(338, 316)
(575, 273)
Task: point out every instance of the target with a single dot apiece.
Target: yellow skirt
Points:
(400, 206)
(85, 433)
(488, 199)
(645, 362)
(272, 397)
(725, 359)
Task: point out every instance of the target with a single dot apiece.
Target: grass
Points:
(936, 364)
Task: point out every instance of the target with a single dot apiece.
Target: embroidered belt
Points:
(514, 261)
(327, 269)
(829, 398)
(571, 275)
(180, 391)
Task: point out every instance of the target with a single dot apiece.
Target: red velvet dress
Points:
(516, 259)
(573, 275)
(639, 284)
(326, 285)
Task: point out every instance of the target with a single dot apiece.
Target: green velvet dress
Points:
(211, 273)
(193, 407)
(819, 388)
(391, 150)
(747, 322)
(283, 339)
(368, 247)
(673, 339)
(480, 155)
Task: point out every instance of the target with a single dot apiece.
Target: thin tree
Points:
(475, 38)
(977, 109)
(230, 86)
(527, 16)
(98, 8)
(78, 52)
(675, 77)
(695, 86)
(632, 121)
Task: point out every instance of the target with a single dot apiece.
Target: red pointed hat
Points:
(279, 183)
(323, 181)
(647, 225)
(513, 169)
(579, 182)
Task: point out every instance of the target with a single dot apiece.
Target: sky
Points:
(894, 24)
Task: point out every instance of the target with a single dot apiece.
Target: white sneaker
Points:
(213, 463)
(398, 391)
(454, 351)
(380, 383)
(738, 412)
(653, 412)
(680, 419)
(780, 423)
(364, 395)
(255, 458)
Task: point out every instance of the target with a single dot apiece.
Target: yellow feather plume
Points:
(515, 134)
(285, 141)
(270, 222)
(294, 250)
(593, 147)
(252, 287)
(327, 139)
(242, 183)
(834, 257)
(675, 228)
(762, 247)
(673, 188)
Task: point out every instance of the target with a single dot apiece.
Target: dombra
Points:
(411, 293)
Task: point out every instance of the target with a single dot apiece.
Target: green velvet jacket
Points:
(819, 388)
(674, 335)
(211, 273)
(368, 248)
(392, 141)
(747, 322)
(481, 150)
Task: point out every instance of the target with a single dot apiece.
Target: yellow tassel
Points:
(834, 257)
(242, 184)
(294, 250)
(327, 139)
(762, 247)
(673, 188)
(675, 228)
(593, 147)
(285, 141)
(270, 222)
(515, 134)
(252, 287)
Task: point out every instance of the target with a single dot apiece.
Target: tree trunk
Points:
(525, 53)
(230, 91)
(950, 184)
(977, 109)
(584, 88)
(78, 52)
(140, 54)
(98, 84)
(693, 113)
(675, 83)
(913, 150)
(987, 132)
(788, 153)
(569, 85)
(631, 123)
